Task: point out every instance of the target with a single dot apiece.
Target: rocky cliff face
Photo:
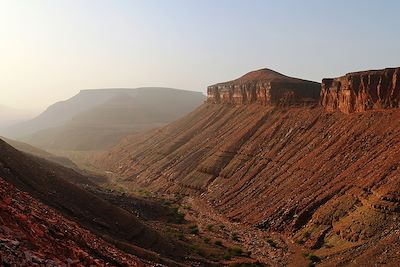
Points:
(361, 91)
(319, 177)
(265, 87)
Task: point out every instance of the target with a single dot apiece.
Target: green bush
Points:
(209, 227)
(194, 229)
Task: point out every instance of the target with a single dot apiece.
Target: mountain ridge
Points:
(326, 180)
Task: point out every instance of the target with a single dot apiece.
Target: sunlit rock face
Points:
(264, 87)
(361, 91)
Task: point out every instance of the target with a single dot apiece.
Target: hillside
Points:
(64, 190)
(125, 112)
(325, 180)
(32, 233)
(60, 113)
(26, 148)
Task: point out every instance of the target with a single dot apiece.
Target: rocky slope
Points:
(26, 148)
(361, 91)
(33, 234)
(327, 180)
(265, 87)
(59, 188)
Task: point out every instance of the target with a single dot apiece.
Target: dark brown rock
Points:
(361, 91)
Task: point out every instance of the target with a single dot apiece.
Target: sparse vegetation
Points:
(314, 259)
(198, 250)
(272, 243)
(306, 234)
(304, 238)
(180, 236)
(222, 226)
(235, 251)
(235, 236)
(144, 193)
(227, 256)
(194, 229)
(180, 217)
(210, 227)
(207, 240)
(218, 243)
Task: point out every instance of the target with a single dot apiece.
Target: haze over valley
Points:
(223, 133)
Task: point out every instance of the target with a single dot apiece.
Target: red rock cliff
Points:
(361, 91)
(265, 87)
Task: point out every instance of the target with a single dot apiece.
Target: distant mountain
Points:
(10, 116)
(97, 119)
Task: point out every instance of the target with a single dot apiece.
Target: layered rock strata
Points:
(265, 87)
(361, 91)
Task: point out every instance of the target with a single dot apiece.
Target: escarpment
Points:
(328, 180)
(265, 87)
(361, 91)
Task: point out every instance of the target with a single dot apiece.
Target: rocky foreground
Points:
(33, 234)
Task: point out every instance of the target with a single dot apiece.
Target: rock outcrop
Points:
(265, 87)
(361, 91)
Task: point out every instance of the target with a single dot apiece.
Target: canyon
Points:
(323, 175)
(270, 170)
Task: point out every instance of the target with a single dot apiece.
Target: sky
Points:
(49, 50)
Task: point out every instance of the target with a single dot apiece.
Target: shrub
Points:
(180, 236)
(313, 258)
(272, 243)
(236, 251)
(180, 217)
(207, 240)
(227, 256)
(209, 227)
(218, 243)
(194, 229)
(306, 235)
(235, 237)
(198, 250)
(222, 226)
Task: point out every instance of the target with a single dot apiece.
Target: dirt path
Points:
(270, 248)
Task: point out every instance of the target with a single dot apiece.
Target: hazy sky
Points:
(49, 50)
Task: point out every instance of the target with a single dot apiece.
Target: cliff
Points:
(265, 87)
(297, 170)
(361, 91)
